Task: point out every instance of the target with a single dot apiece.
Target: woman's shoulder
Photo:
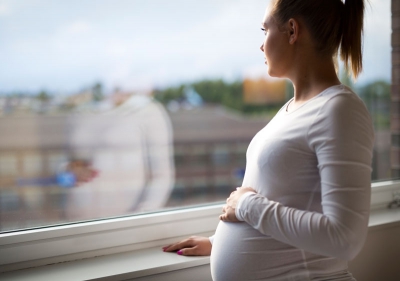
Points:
(341, 98)
(339, 92)
(341, 114)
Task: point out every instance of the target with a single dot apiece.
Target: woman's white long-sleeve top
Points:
(311, 168)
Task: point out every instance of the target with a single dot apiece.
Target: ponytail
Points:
(352, 32)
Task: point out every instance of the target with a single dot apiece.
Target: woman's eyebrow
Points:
(264, 24)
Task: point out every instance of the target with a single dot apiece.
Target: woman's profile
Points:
(302, 211)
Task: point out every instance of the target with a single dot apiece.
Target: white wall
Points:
(380, 258)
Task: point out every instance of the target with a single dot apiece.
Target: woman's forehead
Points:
(266, 19)
(267, 16)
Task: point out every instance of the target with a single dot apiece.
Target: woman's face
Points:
(275, 47)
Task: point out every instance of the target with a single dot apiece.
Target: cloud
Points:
(117, 48)
(78, 27)
(377, 47)
(4, 9)
(141, 43)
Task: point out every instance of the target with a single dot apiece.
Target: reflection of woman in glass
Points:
(303, 207)
(122, 160)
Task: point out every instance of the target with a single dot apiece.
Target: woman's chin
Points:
(271, 73)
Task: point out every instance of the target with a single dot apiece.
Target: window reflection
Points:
(86, 165)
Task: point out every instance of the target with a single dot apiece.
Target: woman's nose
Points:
(262, 48)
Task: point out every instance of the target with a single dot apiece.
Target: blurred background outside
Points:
(114, 108)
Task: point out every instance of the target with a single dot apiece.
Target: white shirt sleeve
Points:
(341, 136)
(239, 206)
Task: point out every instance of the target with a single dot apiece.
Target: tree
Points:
(171, 93)
(43, 96)
(218, 91)
(97, 90)
(376, 96)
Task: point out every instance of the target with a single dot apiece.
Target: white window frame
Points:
(48, 245)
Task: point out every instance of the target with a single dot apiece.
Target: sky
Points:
(65, 46)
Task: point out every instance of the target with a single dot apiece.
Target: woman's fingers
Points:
(176, 246)
(189, 251)
(228, 215)
(248, 189)
(193, 246)
(228, 210)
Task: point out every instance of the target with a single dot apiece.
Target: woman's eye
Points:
(264, 30)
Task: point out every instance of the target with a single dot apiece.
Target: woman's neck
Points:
(311, 76)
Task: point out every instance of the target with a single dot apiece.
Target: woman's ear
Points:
(293, 30)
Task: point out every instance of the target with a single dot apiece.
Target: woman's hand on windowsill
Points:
(192, 246)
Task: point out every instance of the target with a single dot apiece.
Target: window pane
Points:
(113, 108)
(374, 84)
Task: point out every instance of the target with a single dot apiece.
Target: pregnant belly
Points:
(242, 253)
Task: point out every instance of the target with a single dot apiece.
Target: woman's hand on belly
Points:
(192, 246)
(229, 214)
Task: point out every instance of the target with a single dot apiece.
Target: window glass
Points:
(113, 108)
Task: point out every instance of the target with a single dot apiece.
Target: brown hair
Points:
(333, 25)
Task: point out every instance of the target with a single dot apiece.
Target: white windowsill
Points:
(145, 262)
(121, 266)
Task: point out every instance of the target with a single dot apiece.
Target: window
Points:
(193, 75)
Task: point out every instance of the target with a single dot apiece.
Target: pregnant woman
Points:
(302, 211)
